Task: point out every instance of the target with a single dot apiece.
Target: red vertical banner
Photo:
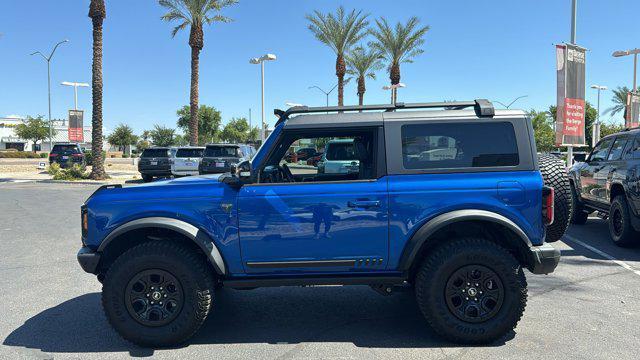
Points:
(632, 113)
(76, 128)
(570, 116)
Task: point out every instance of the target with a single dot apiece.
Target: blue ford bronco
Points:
(450, 203)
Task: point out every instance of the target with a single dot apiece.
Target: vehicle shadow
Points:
(595, 233)
(353, 314)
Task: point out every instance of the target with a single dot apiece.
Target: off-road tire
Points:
(554, 174)
(184, 264)
(624, 235)
(579, 215)
(432, 280)
(147, 178)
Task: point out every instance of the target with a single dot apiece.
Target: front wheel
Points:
(471, 291)
(158, 293)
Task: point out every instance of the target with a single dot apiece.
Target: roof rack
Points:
(483, 108)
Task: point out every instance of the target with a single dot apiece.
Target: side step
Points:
(311, 281)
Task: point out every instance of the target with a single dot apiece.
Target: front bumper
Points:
(88, 260)
(543, 259)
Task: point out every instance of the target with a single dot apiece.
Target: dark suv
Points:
(66, 154)
(451, 203)
(219, 158)
(156, 162)
(609, 182)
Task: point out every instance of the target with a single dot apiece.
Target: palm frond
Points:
(197, 12)
(363, 62)
(401, 43)
(339, 30)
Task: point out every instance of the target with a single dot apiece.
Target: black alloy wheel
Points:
(474, 293)
(154, 297)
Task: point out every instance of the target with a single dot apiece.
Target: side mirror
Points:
(243, 170)
(231, 180)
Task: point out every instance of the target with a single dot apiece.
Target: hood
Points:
(203, 186)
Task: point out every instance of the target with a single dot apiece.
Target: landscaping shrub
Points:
(88, 156)
(18, 155)
(74, 172)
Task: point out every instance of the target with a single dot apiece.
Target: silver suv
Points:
(186, 161)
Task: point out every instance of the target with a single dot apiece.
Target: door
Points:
(593, 176)
(307, 221)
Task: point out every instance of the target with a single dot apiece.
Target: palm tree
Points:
(195, 14)
(363, 63)
(97, 13)
(339, 31)
(620, 100)
(398, 45)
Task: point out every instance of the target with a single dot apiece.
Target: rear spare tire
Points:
(554, 174)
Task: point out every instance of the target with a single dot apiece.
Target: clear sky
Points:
(491, 49)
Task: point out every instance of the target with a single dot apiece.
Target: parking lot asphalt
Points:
(588, 309)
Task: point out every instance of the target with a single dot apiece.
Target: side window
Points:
(601, 150)
(348, 157)
(634, 150)
(459, 145)
(617, 149)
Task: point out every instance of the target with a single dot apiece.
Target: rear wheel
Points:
(620, 228)
(147, 178)
(554, 174)
(471, 291)
(579, 215)
(158, 293)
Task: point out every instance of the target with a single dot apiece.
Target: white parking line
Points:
(603, 254)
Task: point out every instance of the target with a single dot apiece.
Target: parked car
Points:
(186, 161)
(460, 230)
(218, 158)
(608, 183)
(156, 162)
(339, 158)
(301, 154)
(66, 154)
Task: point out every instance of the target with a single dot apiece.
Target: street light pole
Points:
(595, 130)
(48, 60)
(75, 91)
(394, 91)
(634, 52)
(326, 93)
(261, 60)
(574, 15)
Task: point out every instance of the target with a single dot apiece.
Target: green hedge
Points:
(88, 156)
(19, 155)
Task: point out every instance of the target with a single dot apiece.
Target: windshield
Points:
(221, 151)
(155, 153)
(189, 153)
(65, 149)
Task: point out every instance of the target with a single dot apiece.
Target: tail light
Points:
(84, 221)
(77, 155)
(53, 155)
(547, 204)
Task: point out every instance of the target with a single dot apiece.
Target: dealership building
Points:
(9, 140)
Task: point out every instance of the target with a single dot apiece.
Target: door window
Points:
(634, 150)
(601, 150)
(344, 156)
(617, 149)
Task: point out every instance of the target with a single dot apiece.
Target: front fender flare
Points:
(415, 243)
(198, 236)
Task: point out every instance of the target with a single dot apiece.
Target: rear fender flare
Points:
(423, 234)
(196, 235)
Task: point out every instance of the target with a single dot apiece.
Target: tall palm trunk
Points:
(361, 90)
(97, 12)
(341, 69)
(394, 76)
(193, 122)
